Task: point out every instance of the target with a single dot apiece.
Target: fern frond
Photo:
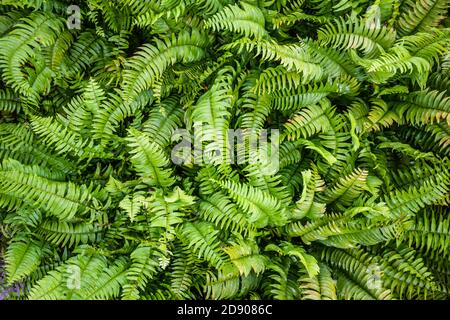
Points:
(321, 287)
(431, 45)
(81, 277)
(293, 57)
(63, 140)
(228, 283)
(19, 143)
(61, 199)
(308, 95)
(295, 252)
(22, 258)
(202, 239)
(263, 209)
(335, 63)
(168, 211)
(219, 149)
(114, 111)
(248, 20)
(149, 160)
(17, 48)
(183, 272)
(109, 283)
(85, 50)
(355, 279)
(381, 115)
(397, 60)
(423, 107)
(144, 266)
(346, 231)
(278, 78)
(406, 275)
(219, 210)
(148, 64)
(163, 120)
(346, 189)
(283, 283)
(63, 233)
(307, 206)
(411, 200)
(356, 35)
(430, 232)
(309, 121)
(9, 101)
(419, 15)
(286, 20)
(244, 254)
(133, 204)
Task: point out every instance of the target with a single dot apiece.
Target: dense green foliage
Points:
(92, 207)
